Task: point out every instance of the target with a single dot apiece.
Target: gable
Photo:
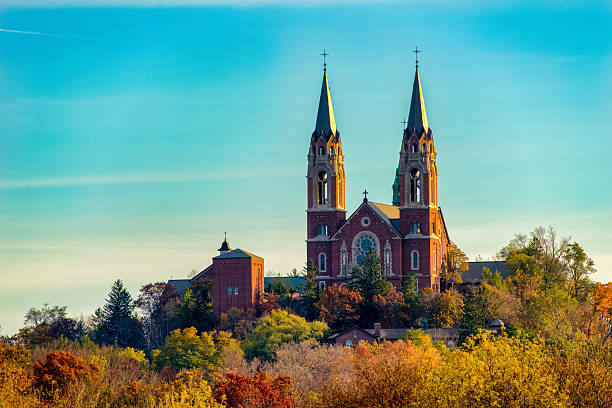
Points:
(382, 213)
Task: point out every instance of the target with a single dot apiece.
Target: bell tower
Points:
(415, 193)
(326, 181)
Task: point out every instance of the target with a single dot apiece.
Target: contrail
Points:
(30, 33)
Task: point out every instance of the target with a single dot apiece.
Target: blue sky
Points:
(134, 136)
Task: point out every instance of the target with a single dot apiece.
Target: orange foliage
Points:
(261, 391)
(339, 307)
(61, 369)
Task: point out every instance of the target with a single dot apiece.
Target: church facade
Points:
(409, 235)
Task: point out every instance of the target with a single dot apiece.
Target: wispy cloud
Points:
(5, 30)
(92, 180)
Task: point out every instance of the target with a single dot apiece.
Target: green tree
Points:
(370, 282)
(579, 267)
(184, 349)
(277, 328)
(119, 325)
(455, 263)
(474, 315)
(311, 292)
(196, 308)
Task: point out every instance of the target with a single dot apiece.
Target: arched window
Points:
(362, 244)
(322, 229)
(343, 261)
(387, 261)
(415, 186)
(322, 262)
(331, 150)
(434, 263)
(322, 188)
(424, 149)
(415, 227)
(414, 260)
(415, 148)
(321, 150)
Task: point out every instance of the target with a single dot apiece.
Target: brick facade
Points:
(409, 236)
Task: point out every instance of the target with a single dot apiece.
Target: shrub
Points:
(261, 391)
(59, 370)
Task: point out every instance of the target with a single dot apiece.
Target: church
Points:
(409, 235)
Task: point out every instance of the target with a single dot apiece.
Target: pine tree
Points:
(474, 315)
(370, 282)
(119, 325)
(311, 292)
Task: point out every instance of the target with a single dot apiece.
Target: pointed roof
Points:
(236, 254)
(417, 118)
(224, 246)
(325, 115)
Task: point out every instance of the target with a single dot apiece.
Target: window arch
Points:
(331, 150)
(415, 148)
(424, 148)
(435, 260)
(414, 260)
(321, 150)
(362, 243)
(415, 227)
(322, 262)
(415, 186)
(343, 261)
(387, 260)
(322, 188)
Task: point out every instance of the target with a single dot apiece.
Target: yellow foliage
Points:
(189, 390)
(494, 372)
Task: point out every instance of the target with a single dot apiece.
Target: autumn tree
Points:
(579, 267)
(261, 391)
(455, 262)
(441, 309)
(277, 328)
(185, 349)
(158, 303)
(339, 307)
(59, 370)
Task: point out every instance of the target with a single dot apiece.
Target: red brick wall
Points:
(244, 273)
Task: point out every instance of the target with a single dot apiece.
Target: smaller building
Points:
(237, 278)
(356, 335)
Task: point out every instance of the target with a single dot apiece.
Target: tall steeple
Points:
(325, 115)
(417, 118)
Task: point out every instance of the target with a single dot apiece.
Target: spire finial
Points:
(365, 196)
(416, 55)
(225, 234)
(325, 54)
(404, 122)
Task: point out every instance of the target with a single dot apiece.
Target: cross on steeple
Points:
(325, 54)
(416, 55)
(404, 122)
(365, 196)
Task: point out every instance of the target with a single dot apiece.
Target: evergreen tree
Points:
(311, 292)
(119, 325)
(370, 282)
(196, 309)
(474, 315)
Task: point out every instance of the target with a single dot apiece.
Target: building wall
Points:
(246, 274)
(355, 336)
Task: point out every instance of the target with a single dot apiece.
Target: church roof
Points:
(325, 116)
(237, 254)
(417, 118)
(224, 246)
(389, 214)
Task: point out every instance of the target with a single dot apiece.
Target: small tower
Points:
(325, 181)
(224, 246)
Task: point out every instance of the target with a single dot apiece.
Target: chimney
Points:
(377, 330)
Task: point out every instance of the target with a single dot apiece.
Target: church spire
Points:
(417, 118)
(325, 115)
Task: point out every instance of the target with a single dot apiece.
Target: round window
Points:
(365, 221)
(365, 243)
